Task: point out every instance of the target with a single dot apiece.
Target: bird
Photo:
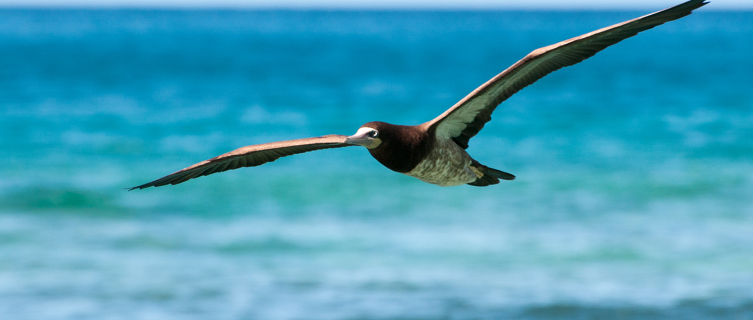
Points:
(435, 151)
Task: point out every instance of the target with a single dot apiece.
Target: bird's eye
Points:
(373, 134)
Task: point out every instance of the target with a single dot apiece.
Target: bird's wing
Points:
(249, 156)
(467, 117)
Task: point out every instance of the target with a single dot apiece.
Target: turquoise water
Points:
(634, 197)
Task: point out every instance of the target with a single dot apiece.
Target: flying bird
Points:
(435, 151)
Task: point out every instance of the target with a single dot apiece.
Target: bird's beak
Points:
(361, 139)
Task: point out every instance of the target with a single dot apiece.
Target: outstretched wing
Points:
(249, 156)
(467, 117)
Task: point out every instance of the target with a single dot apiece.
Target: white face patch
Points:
(369, 134)
(363, 131)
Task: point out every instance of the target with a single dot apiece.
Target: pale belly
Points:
(447, 165)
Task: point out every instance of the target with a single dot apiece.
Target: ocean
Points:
(633, 197)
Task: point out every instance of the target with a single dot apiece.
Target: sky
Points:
(358, 4)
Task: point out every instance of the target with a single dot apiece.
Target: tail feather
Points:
(498, 174)
(490, 177)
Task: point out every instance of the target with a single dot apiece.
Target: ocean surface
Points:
(634, 196)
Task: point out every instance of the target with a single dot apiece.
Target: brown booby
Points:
(435, 151)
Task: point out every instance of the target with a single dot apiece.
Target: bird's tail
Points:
(490, 176)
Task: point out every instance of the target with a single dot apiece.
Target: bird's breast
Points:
(447, 164)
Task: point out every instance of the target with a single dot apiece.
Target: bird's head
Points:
(367, 136)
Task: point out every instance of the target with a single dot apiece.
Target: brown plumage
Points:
(402, 147)
(434, 151)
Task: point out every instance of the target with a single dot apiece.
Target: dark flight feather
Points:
(467, 117)
(249, 156)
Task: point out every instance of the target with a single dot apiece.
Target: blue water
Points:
(634, 197)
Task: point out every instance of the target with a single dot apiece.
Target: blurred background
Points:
(634, 196)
